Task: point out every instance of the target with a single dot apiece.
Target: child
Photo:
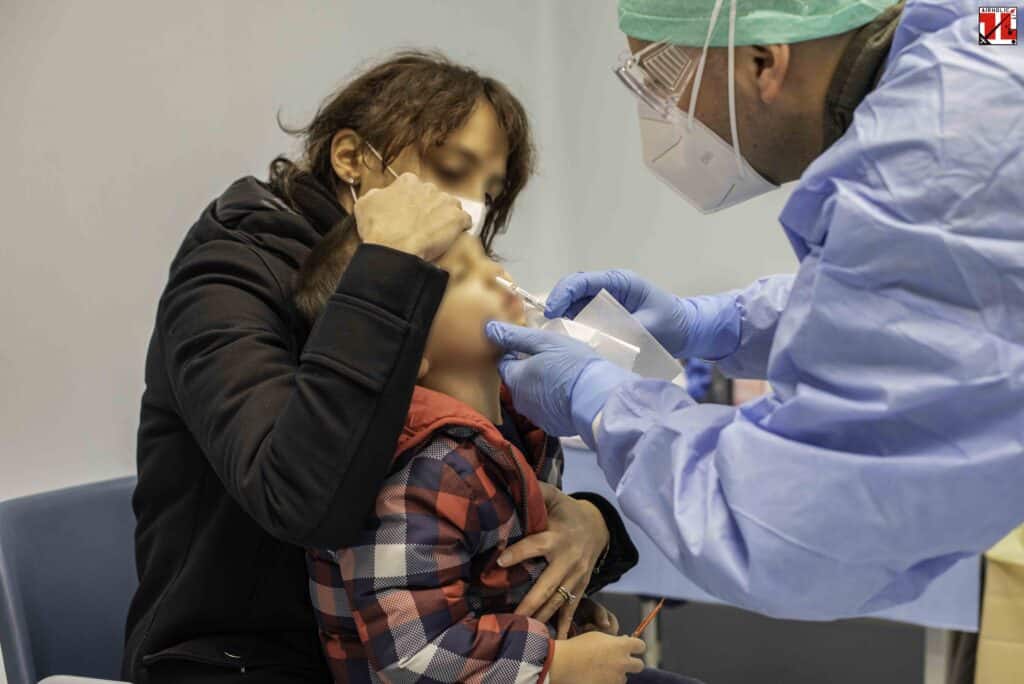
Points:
(421, 596)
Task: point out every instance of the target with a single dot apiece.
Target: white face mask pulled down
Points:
(476, 209)
(688, 156)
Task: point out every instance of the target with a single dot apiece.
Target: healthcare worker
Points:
(892, 442)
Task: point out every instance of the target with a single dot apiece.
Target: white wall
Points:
(120, 120)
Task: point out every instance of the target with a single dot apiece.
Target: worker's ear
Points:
(347, 155)
(771, 65)
(424, 368)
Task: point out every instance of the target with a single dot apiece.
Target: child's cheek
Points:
(468, 310)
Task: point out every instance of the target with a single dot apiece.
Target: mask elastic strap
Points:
(377, 154)
(732, 90)
(703, 60)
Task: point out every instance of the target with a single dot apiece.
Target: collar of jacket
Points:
(859, 71)
(430, 411)
(316, 203)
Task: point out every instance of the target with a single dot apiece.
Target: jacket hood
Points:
(250, 211)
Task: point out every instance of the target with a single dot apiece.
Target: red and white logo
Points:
(997, 26)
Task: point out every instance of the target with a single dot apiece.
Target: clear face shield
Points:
(688, 156)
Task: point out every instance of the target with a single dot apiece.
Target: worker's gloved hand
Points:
(562, 385)
(703, 327)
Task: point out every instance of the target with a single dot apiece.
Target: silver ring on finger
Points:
(566, 595)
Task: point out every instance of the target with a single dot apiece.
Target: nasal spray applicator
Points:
(530, 299)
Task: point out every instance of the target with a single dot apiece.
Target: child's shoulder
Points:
(449, 450)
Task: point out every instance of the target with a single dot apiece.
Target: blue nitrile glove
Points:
(698, 377)
(704, 327)
(562, 386)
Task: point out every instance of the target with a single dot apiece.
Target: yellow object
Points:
(1001, 639)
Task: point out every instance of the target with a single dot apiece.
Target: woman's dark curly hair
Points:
(412, 98)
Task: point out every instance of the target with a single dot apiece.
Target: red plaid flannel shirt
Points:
(420, 597)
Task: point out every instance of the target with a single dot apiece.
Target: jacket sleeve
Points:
(407, 578)
(301, 443)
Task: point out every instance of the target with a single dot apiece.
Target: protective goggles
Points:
(658, 75)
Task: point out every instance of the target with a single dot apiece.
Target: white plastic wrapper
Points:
(605, 314)
(622, 354)
(607, 328)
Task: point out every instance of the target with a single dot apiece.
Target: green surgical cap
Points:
(758, 22)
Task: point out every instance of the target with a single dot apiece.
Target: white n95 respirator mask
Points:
(477, 211)
(688, 156)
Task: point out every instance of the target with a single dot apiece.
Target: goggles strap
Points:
(703, 60)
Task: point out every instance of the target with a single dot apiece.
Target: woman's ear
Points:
(771, 64)
(424, 368)
(346, 155)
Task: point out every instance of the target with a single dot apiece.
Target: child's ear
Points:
(424, 368)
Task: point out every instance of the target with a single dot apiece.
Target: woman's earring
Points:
(352, 189)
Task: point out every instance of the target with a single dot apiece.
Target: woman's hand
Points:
(574, 541)
(411, 216)
(591, 616)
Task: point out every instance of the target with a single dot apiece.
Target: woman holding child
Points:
(264, 433)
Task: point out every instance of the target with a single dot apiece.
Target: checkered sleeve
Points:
(407, 579)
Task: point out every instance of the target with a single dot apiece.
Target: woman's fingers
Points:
(535, 546)
(411, 216)
(567, 546)
(545, 591)
(568, 610)
(550, 607)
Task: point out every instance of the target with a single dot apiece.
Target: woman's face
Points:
(471, 162)
(473, 297)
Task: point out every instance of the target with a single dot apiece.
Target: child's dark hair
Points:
(412, 98)
(320, 273)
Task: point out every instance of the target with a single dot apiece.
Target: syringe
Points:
(530, 299)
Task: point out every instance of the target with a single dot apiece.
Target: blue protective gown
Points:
(892, 443)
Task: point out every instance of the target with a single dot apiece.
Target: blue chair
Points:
(67, 574)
